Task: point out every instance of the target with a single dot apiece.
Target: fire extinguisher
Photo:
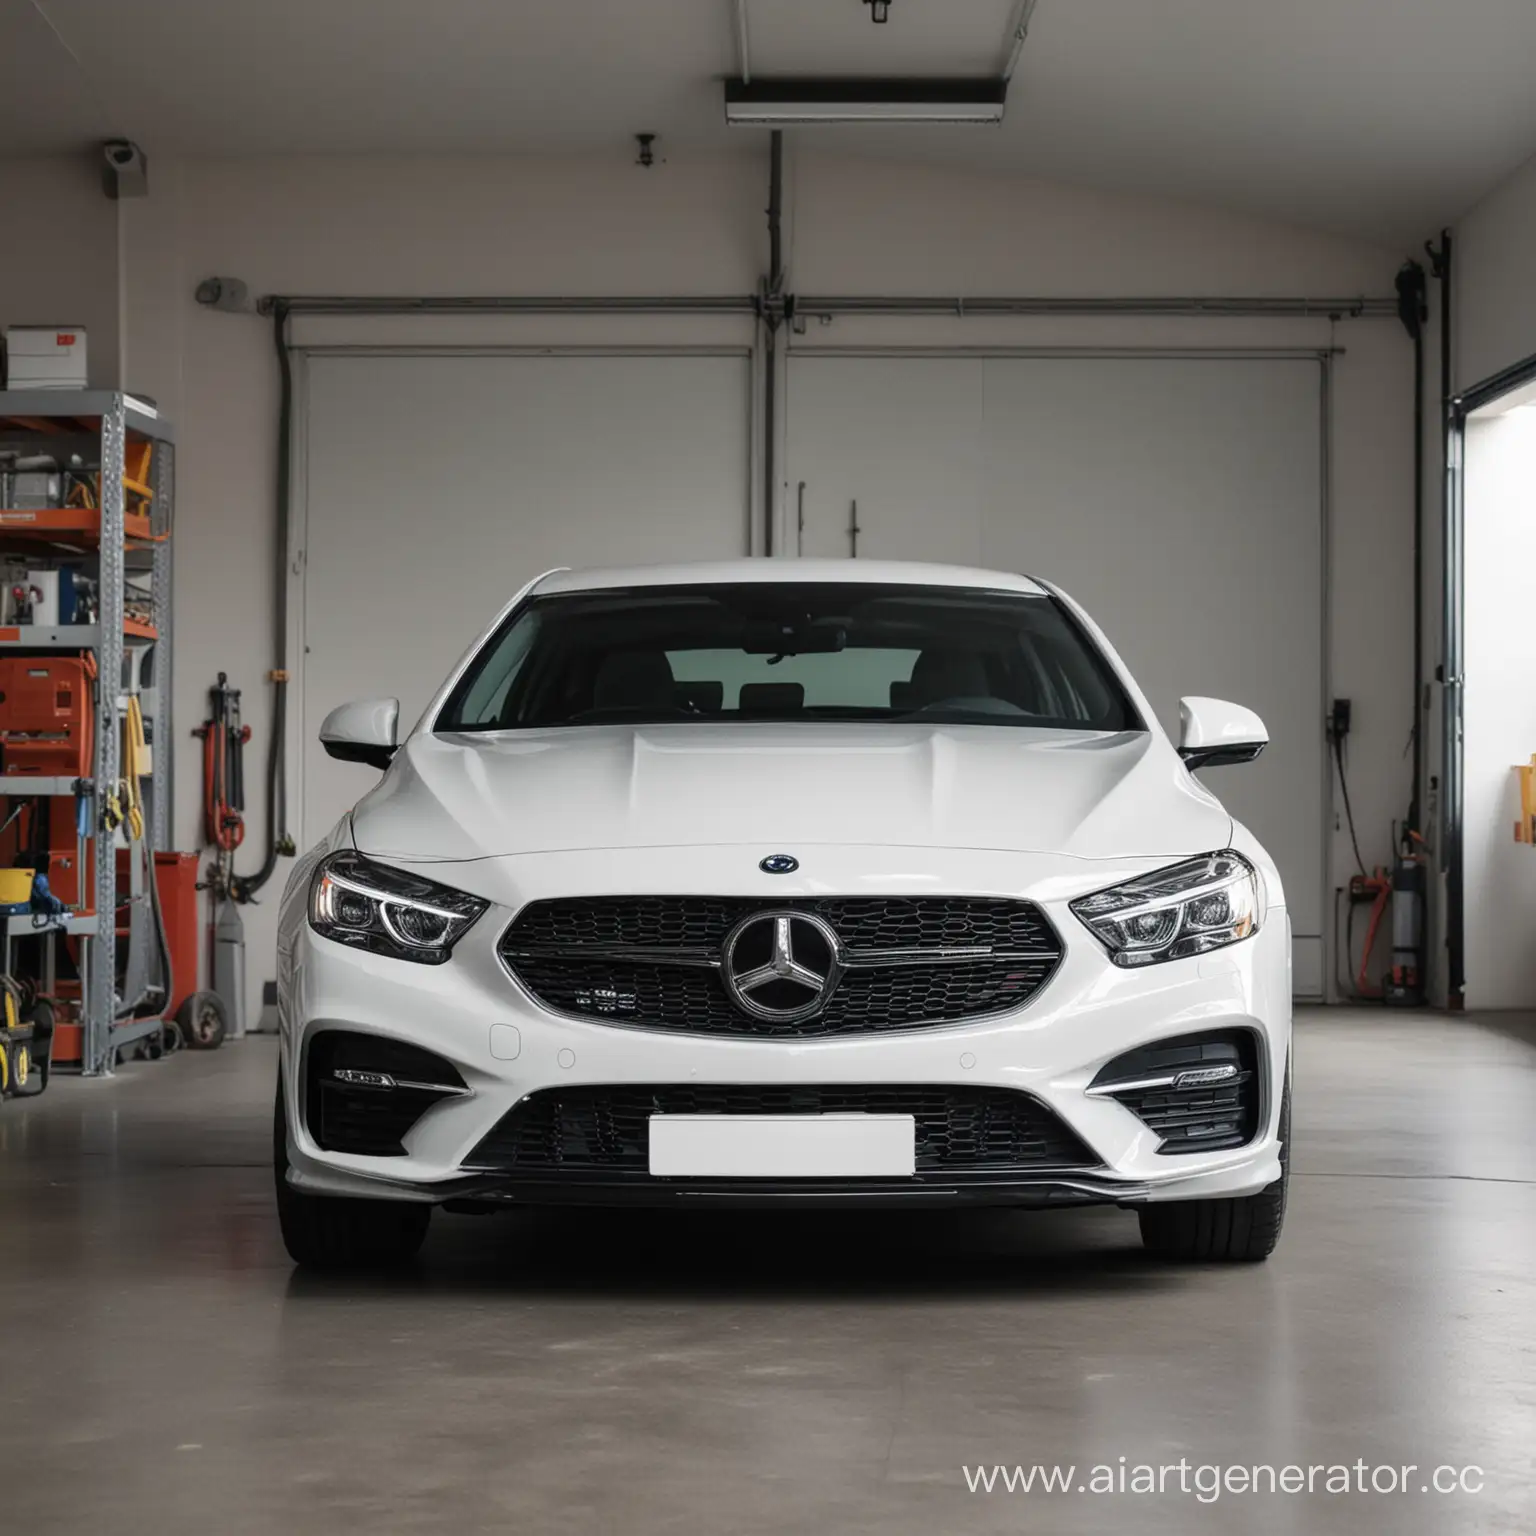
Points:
(1404, 985)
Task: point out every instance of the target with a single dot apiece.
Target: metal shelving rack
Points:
(33, 416)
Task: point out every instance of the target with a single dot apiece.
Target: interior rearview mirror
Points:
(1213, 732)
(767, 637)
(363, 731)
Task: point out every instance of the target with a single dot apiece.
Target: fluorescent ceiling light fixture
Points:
(776, 102)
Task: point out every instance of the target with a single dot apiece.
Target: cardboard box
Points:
(45, 357)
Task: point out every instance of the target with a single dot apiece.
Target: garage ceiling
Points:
(1381, 117)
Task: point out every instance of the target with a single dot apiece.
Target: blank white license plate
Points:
(783, 1146)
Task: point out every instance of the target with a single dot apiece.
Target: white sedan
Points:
(773, 881)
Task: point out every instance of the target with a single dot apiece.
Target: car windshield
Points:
(759, 651)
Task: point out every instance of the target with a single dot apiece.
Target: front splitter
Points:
(490, 1190)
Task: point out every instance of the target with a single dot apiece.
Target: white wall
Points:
(467, 226)
(884, 227)
(58, 253)
(498, 225)
(1495, 252)
(863, 228)
(1500, 708)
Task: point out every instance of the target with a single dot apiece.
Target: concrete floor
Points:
(162, 1370)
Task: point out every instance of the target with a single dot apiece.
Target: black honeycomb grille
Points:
(563, 952)
(598, 1130)
(702, 922)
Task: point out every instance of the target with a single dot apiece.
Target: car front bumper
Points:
(505, 1046)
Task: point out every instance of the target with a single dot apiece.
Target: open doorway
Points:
(1499, 699)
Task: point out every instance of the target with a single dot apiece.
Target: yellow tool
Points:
(1525, 828)
(138, 460)
(16, 1076)
(135, 766)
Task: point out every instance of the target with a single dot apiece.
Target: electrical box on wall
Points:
(45, 357)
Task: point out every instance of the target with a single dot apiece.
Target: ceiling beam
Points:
(1018, 30)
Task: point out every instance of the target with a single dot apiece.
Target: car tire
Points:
(331, 1232)
(1240, 1231)
(202, 1021)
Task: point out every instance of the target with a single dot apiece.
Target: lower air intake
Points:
(1199, 1093)
(364, 1092)
(961, 1131)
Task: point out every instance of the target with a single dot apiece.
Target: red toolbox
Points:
(45, 716)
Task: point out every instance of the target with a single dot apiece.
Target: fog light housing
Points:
(364, 1093)
(1197, 1093)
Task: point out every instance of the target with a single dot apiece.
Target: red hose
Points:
(225, 826)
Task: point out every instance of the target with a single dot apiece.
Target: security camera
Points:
(227, 293)
(125, 171)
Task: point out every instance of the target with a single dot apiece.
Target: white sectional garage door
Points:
(1179, 499)
(436, 485)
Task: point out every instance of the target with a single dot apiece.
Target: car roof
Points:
(764, 569)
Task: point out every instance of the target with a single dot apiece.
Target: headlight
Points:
(387, 911)
(1183, 910)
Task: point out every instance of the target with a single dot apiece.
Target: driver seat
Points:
(634, 680)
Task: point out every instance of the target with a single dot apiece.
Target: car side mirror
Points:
(1213, 732)
(363, 731)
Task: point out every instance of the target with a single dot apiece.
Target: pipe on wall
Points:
(1452, 414)
(1415, 811)
(243, 888)
(772, 310)
(493, 304)
(1358, 308)
(1413, 311)
(743, 43)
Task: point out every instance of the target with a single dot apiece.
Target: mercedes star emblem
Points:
(781, 966)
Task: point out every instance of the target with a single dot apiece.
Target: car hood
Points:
(1091, 795)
